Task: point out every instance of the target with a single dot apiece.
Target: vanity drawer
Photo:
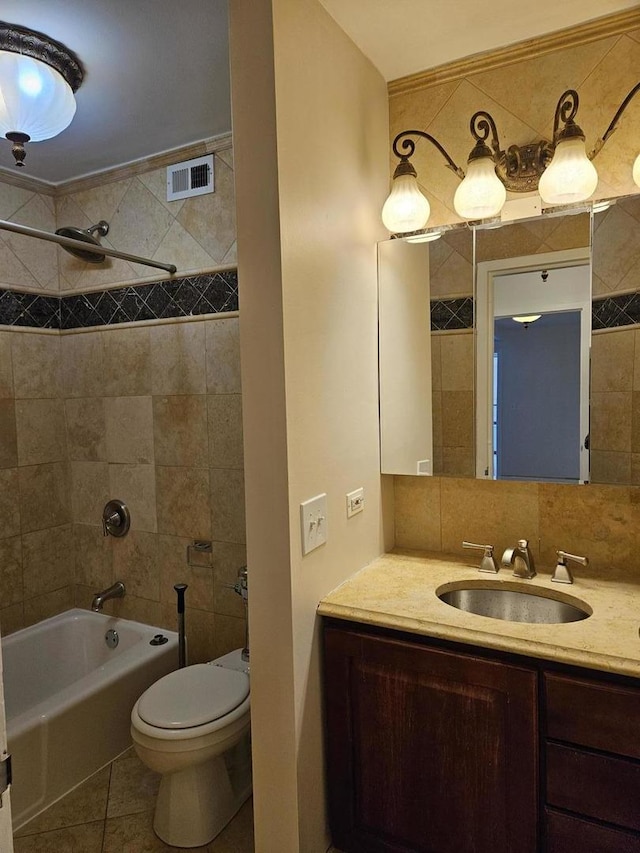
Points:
(598, 715)
(565, 832)
(594, 785)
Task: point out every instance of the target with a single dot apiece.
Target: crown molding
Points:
(118, 173)
(24, 182)
(145, 164)
(490, 60)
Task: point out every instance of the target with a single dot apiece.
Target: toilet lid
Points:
(193, 696)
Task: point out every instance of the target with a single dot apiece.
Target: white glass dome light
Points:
(571, 176)
(481, 195)
(406, 208)
(38, 78)
(636, 171)
(35, 99)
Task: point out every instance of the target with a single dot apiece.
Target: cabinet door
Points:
(428, 750)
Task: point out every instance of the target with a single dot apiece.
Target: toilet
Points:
(193, 727)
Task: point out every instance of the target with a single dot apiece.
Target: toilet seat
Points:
(194, 696)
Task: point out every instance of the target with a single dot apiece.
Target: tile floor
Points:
(112, 812)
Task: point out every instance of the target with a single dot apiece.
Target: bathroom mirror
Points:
(614, 420)
(406, 440)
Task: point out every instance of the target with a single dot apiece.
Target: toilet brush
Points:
(182, 642)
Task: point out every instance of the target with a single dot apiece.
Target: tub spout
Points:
(115, 591)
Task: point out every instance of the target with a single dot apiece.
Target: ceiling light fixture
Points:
(38, 78)
(525, 319)
(561, 170)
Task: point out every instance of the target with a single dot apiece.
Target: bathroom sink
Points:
(512, 604)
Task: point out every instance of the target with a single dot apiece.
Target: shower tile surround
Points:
(149, 412)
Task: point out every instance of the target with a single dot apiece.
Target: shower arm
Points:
(81, 244)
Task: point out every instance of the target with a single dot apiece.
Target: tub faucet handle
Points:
(116, 519)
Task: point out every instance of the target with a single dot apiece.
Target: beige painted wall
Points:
(308, 340)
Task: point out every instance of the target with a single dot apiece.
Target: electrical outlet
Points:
(313, 523)
(355, 502)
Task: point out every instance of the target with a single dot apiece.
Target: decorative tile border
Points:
(449, 314)
(608, 313)
(613, 311)
(212, 293)
(217, 293)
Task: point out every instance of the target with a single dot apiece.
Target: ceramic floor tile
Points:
(134, 834)
(131, 791)
(88, 802)
(237, 836)
(84, 838)
(133, 786)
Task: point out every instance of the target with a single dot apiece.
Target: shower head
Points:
(86, 235)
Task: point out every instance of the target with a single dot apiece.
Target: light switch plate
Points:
(313, 523)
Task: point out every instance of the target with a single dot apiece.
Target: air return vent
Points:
(192, 177)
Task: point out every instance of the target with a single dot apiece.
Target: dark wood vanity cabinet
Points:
(428, 750)
(435, 749)
(592, 759)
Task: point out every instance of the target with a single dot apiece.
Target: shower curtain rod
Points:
(80, 244)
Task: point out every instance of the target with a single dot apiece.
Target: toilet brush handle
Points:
(182, 643)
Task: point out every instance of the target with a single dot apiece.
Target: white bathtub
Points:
(69, 697)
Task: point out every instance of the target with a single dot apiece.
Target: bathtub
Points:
(68, 699)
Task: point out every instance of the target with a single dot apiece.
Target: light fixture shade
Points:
(527, 318)
(636, 171)
(481, 194)
(406, 209)
(570, 176)
(35, 99)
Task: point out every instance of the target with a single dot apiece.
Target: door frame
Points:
(486, 272)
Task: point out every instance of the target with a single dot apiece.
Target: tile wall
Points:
(196, 234)
(154, 418)
(36, 539)
(599, 521)
(27, 263)
(146, 412)
(150, 414)
(522, 97)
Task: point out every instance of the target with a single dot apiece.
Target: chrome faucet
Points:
(115, 591)
(521, 559)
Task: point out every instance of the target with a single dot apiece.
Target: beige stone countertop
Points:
(398, 590)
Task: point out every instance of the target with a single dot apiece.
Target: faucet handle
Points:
(562, 573)
(488, 563)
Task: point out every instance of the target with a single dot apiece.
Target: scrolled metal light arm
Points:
(560, 169)
(614, 121)
(408, 145)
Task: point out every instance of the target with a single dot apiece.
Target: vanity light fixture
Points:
(38, 78)
(561, 170)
